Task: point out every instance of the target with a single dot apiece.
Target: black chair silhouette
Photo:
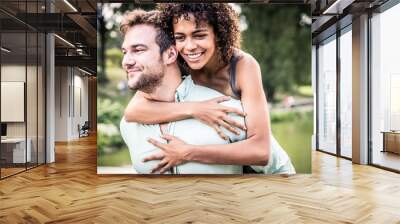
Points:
(84, 130)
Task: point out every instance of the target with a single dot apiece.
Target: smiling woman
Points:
(213, 60)
(206, 41)
(195, 43)
(206, 27)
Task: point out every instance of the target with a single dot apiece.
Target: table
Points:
(391, 141)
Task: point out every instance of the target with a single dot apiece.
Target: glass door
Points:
(346, 92)
(22, 77)
(14, 154)
(385, 89)
(327, 95)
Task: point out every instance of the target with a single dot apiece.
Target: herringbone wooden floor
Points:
(69, 191)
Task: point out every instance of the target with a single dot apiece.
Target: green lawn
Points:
(295, 138)
(118, 158)
(306, 91)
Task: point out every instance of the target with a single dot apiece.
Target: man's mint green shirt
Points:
(195, 132)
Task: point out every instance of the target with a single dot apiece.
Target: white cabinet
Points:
(18, 149)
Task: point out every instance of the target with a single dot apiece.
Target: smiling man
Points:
(150, 61)
(152, 69)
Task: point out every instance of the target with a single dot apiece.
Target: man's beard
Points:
(149, 81)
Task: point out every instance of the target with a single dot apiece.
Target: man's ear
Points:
(170, 55)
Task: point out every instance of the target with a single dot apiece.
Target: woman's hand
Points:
(215, 115)
(172, 154)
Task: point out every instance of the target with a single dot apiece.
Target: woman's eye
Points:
(200, 36)
(179, 38)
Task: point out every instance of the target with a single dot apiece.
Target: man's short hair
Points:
(152, 18)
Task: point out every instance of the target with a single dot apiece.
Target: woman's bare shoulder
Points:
(248, 70)
(245, 60)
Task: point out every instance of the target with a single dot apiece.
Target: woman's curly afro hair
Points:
(221, 16)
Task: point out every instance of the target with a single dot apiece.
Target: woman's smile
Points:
(193, 57)
(195, 42)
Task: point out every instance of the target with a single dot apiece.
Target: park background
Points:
(278, 37)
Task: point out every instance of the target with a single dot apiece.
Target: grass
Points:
(295, 137)
(305, 91)
(117, 158)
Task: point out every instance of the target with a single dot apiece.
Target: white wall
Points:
(71, 102)
(61, 103)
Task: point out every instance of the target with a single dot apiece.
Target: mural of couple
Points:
(205, 88)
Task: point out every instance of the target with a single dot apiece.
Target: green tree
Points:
(279, 43)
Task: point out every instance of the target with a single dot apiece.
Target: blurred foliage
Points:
(108, 117)
(114, 57)
(288, 116)
(108, 144)
(109, 112)
(280, 44)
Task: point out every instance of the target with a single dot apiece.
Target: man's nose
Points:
(128, 60)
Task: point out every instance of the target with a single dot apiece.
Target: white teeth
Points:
(193, 56)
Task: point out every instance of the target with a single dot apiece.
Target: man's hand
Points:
(172, 154)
